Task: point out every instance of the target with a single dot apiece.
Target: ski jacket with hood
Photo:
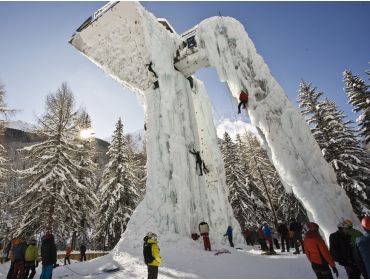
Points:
(155, 253)
(48, 250)
(243, 97)
(316, 250)
(19, 252)
(363, 249)
(340, 248)
(229, 232)
(31, 253)
(267, 231)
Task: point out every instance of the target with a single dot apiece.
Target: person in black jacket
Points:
(82, 253)
(198, 161)
(284, 236)
(296, 227)
(341, 251)
(48, 255)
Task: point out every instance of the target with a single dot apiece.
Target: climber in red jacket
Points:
(243, 97)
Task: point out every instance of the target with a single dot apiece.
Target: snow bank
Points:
(186, 259)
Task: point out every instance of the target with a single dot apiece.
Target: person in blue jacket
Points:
(229, 234)
(363, 248)
(268, 236)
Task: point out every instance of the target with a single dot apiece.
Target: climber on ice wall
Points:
(243, 97)
(199, 162)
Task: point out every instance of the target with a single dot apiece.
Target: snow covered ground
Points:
(187, 259)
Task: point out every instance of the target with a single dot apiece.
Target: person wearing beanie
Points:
(341, 251)
(363, 248)
(318, 253)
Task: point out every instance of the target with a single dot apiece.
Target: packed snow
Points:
(185, 258)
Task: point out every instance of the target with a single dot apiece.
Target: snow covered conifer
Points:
(4, 170)
(339, 146)
(87, 169)
(359, 97)
(286, 205)
(53, 198)
(118, 190)
(244, 195)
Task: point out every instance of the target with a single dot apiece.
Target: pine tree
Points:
(286, 205)
(339, 146)
(244, 195)
(118, 190)
(86, 172)
(359, 97)
(5, 172)
(53, 198)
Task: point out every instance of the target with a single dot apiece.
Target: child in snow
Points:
(152, 257)
(243, 97)
(204, 231)
(30, 259)
(68, 254)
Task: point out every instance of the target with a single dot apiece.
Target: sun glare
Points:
(86, 133)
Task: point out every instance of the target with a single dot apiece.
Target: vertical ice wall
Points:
(291, 146)
(122, 41)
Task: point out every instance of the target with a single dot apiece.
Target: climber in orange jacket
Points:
(318, 253)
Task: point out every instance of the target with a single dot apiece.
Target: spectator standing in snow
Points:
(229, 234)
(296, 227)
(198, 160)
(261, 239)
(342, 253)
(14, 242)
(318, 254)
(6, 251)
(284, 237)
(48, 255)
(19, 253)
(268, 236)
(354, 234)
(151, 253)
(68, 255)
(82, 253)
(204, 232)
(248, 236)
(363, 248)
(31, 259)
(275, 237)
(243, 98)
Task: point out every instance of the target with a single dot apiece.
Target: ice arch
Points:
(122, 38)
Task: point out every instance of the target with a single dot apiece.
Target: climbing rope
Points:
(65, 266)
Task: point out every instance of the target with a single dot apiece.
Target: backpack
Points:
(147, 252)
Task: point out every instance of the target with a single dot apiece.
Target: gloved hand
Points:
(37, 264)
(335, 270)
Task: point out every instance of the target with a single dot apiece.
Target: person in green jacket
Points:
(152, 256)
(31, 259)
(353, 233)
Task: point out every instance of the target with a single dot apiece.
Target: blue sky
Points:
(314, 41)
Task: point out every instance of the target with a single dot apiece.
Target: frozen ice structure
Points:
(140, 52)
